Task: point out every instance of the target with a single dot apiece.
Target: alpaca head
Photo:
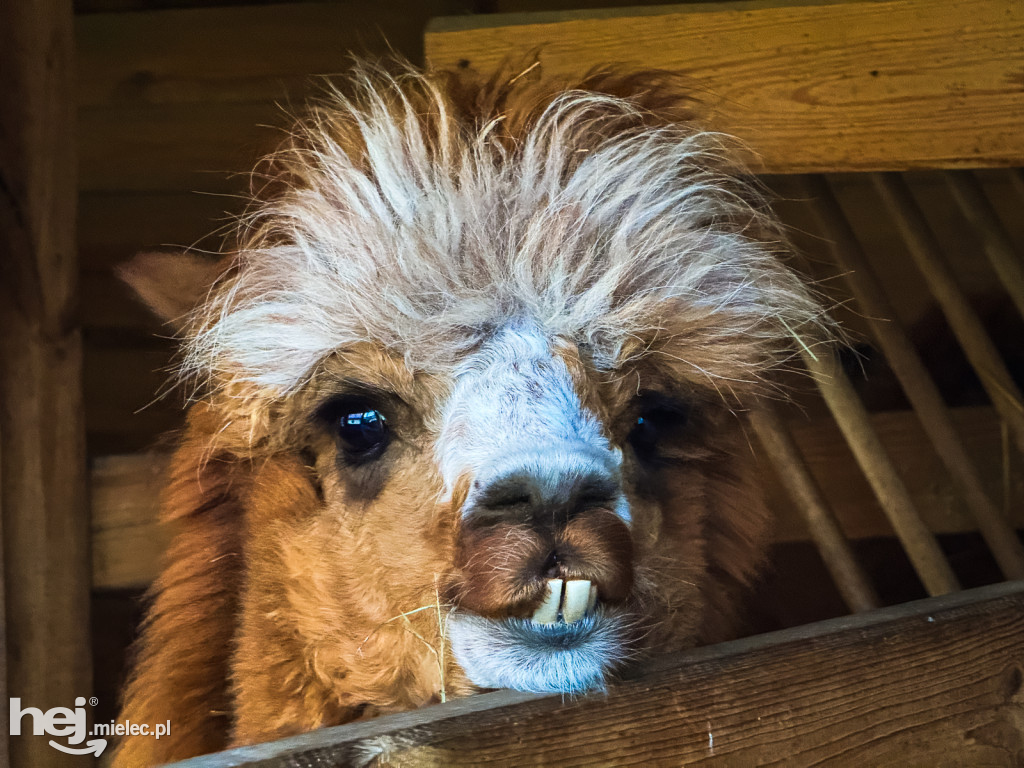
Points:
(484, 355)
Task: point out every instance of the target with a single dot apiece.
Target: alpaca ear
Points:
(172, 284)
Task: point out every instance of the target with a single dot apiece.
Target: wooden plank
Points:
(205, 147)
(127, 544)
(810, 86)
(175, 99)
(245, 54)
(124, 491)
(936, 682)
(114, 226)
(122, 384)
(43, 497)
(833, 466)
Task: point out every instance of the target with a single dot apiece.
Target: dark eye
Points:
(363, 433)
(659, 421)
(359, 426)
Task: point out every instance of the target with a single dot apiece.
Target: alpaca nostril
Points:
(505, 494)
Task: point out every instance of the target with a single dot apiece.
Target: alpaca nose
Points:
(545, 534)
(545, 494)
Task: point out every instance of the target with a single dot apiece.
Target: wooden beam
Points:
(937, 682)
(811, 86)
(179, 99)
(127, 542)
(43, 497)
(248, 53)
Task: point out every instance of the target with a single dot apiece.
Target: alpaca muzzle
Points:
(546, 541)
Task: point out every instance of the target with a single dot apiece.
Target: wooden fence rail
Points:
(937, 682)
(810, 86)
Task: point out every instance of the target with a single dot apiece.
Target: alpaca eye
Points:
(363, 434)
(660, 420)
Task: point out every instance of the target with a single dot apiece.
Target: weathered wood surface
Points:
(179, 99)
(127, 541)
(43, 495)
(914, 378)
(782, 454)
(810, 86)
(879, 468)
(932, 683)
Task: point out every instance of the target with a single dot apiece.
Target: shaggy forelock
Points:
(409, 222)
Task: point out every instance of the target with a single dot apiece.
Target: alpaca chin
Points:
(543, 658)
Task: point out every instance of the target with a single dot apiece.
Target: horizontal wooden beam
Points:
(127, 542)
(936, 682)
(246, 53)
(178, 99)
(812, 86)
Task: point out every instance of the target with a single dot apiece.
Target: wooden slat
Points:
(124, 490)
(43, 497)
(917, 384)
(793, 474)
(811, 86)
(936, 682)
(918, 541)
(996, 240)
(974, 339)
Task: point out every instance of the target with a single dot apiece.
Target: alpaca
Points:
(470, 395)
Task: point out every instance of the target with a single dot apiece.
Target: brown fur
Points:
(298, 594)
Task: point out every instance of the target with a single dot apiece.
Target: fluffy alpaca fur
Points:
(562, 297)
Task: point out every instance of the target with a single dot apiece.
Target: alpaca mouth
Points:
(566, 602)
(572, 652)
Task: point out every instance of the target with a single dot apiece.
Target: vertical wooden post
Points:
(42, 446)
(5, 760)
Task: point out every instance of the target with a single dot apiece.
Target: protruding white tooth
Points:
(574, 607)
(592, 599)
(547, 613)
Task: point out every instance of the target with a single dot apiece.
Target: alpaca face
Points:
(472, 404)
(544, 521)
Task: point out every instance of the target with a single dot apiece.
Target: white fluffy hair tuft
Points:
(411, 221)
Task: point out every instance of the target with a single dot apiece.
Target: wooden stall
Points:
(892, 132)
